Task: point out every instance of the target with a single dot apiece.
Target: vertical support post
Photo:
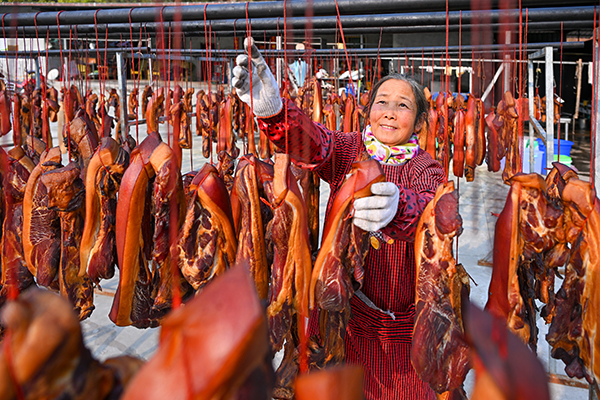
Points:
(530, 77)
(596, 127)
(150, 70)
(507, 64)
(122, 93)
(278, 45)
(38, 78)
(549, 107)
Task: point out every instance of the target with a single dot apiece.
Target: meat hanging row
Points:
(546, 224)
(261, 213)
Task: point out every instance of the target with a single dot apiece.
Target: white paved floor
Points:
(478, 201)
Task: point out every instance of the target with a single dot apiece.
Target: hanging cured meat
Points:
(154, 109)
(528, 246)
(66, 194)
(152, 180)
(471, 138)
(5, 110)
(250, 216)
(98, 249)
(41, 225)
(439, 353)
(45, 357)
(512, 141)
(344, 246)
(207, 243)
(215, 347)
(504, 368)
(291, 270)
(84, 138)
(458, 150)
(494, 124)
(15, 275)
(573, 334)
(432, 126)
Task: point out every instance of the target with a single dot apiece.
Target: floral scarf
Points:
(395, 155)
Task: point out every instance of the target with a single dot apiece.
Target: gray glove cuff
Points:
(267, 107)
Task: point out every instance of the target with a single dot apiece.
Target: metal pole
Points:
(507, 64)
(530, 73)
(38, 79)
(549, 109)
(122, 93)
(278, 43)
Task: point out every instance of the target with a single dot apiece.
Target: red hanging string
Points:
(249, 36)
(521, 119)
(339, 20)
(378, 62)
(446, 89)
(136, 83)
(63, 80)
(45, 127)
(207, 35)
(594, 109)
(6, 47)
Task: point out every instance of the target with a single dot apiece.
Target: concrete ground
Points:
(479, 200)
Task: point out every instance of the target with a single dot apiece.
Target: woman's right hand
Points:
(265, 99)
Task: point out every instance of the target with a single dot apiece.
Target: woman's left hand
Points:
(376, 211)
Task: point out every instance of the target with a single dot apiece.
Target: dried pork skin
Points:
(85, 137)
(573, 333)
(493, 141)
(207, 243)
(48, 355)
(66, 194)
(209, 348)
(439, 353)
(458, 149)
(250, 225)
(344, 246)
(41, 225)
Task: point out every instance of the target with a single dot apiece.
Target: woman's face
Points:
(394, 112)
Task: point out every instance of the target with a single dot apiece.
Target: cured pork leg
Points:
(439, 352)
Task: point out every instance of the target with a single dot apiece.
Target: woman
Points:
(379, 333)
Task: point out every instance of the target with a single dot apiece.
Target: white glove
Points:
(376, 211)
(265, 92)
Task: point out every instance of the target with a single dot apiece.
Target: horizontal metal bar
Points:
(258, 9)
(258, 25)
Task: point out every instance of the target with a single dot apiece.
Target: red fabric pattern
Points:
(376, 340)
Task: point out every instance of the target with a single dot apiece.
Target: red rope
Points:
(45, 127)
(446, 157)
(249, 35)
(207, 43)
(6, 47)
(594, 108)
(339, 20)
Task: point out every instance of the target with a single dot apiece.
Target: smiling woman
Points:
(379, 332)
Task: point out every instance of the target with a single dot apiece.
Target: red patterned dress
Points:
(378, 338)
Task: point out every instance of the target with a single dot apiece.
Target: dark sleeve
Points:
(293, 132)
(413, 200)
